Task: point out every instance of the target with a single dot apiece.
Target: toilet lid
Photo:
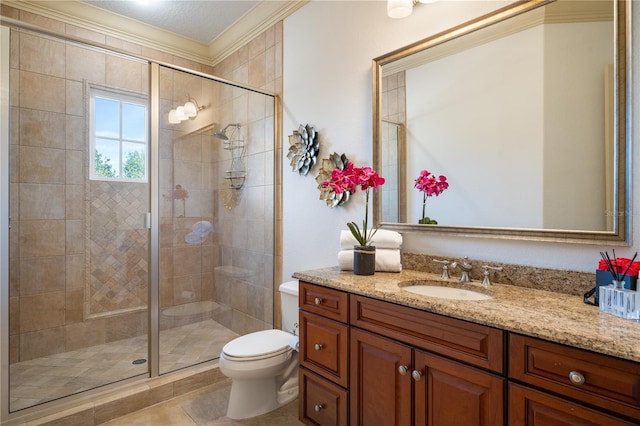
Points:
(260, 343)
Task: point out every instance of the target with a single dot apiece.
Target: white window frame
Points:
(121, 97)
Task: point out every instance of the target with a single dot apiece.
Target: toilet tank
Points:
(289, 306)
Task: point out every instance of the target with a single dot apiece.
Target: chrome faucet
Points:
(485, 270)
(465, 268)
(445, 268)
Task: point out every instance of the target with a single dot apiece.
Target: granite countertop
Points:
(557, 317)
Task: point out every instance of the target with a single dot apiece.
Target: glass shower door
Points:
(78, 243)
(216, 217)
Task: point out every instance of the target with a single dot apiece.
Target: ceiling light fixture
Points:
(402, 8)
(188, 111)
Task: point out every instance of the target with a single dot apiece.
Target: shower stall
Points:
(129, 248)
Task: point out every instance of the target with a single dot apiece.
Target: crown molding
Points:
(95, 19)
(89, 17)
(251, 24)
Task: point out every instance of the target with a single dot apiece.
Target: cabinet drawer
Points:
(321, 402)
(324, 301)
(324, 347)
(460, 340)
(609, 383)
(528, 407)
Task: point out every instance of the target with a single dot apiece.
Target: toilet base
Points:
(251, 398)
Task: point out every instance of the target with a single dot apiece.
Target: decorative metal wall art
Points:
(303, 149)
(335, 161)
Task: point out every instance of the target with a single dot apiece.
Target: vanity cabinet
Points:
(553, 384)
(323, 376)
(365, 361)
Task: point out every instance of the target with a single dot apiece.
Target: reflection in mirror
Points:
(392, 144)
(521, 111)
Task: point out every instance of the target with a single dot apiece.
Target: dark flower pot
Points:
(364, 260)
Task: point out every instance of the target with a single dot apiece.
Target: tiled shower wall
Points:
(117, 249)
(394, 98)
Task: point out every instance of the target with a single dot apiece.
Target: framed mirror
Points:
(524, 111)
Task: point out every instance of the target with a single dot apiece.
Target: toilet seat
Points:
(259, 345)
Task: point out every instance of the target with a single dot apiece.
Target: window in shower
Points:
(118, 129)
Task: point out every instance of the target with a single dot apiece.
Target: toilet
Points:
(263, 366)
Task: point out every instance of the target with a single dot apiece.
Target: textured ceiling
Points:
(200, 20)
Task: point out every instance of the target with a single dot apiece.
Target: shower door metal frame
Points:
(154, 274)
(4, 219)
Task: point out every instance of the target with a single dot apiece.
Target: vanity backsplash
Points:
(556, 280)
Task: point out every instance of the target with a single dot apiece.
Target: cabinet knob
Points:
(416, 374)
(403, 370)
(576, 378)
(318, 407)
(317, 301)
(318, 346)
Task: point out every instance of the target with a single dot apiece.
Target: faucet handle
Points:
(445, 268)
(486, 280)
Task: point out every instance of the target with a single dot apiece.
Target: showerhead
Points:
(222, 134)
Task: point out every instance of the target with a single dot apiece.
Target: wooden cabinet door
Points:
(448, 393)
(379, 394)
(528, 407)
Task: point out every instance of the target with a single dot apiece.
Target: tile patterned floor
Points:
(48, 378)
(205, 407)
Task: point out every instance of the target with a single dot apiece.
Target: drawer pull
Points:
(576, 378)
(317, 301)
(403, 370)
(417, 375)
(318, 346)
(318, 407)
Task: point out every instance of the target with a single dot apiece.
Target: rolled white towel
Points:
(202, 228)
(193, 238)
(387, 260)
(383, 239)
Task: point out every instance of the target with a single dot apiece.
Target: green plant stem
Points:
(366, 215)
(424, 203)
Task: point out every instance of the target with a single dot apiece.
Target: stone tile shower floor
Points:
(55, 376)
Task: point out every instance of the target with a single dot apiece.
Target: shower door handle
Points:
(147, 220)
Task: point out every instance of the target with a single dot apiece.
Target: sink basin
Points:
(446, 292)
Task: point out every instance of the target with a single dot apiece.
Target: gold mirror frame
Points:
(621, 234)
